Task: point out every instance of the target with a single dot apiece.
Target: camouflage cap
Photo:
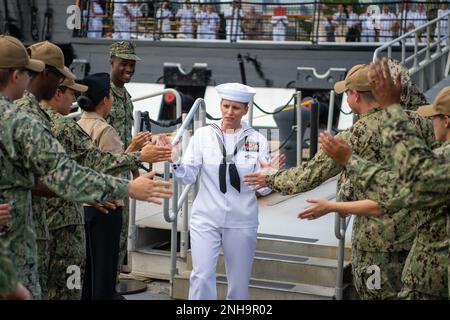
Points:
(124, 50)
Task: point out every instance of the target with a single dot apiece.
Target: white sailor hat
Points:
(235, 92)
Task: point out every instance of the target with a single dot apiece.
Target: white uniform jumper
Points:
(202, 28)
(221, 215)
(121, 22)
(387, 22)
(234, 18)
(213, 21)
(95, 21)
(186, 17)
(279, 25)
(163, 20)
(367, 27)
(442, 26)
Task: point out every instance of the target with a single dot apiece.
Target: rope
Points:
(285, 141)
(282, 109)
(346, 113)
(210, 117)
(166, 123)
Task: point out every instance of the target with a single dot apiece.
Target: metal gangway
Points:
(197, 115)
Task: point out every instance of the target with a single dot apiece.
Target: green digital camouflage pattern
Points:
(422, 180)
(8, 276)
(410, 294)
(415, 162)
(123, 244)
(419, 171)
(380, 235)
(384, 242)
(365, 266)
(30, 151)
(121, 119)
(61, 213)
(425, 271)
(67, 263)
(30, 105)
(121, 115)
(411, 97)
(80, 147)
(124, 50)
(386, 234)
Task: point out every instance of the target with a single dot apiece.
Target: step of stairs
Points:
(298, 246)
(154, 263)
(288, 268)
(260, 289)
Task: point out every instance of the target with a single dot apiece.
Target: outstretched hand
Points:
(385, 91)
(152, 153)
(139, 141)
(319, 208)
(105, 206)
(146, 189)
(336, 148)
(165, 141)
(257, 179)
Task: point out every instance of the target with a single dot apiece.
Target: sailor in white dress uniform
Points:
(225, 211)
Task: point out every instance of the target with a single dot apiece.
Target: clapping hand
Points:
(336, 148)
(385, 91)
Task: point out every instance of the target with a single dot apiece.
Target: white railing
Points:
(132, 229)
(427, 62)
(78, 113)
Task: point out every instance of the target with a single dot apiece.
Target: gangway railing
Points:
(145, 97)
(132, 228)
(198, 115)
(340, 229)
(429, 58)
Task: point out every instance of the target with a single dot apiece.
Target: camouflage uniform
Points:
(422, 180)
(425, 272)
(382, 241)
(30, 104)
(65, 218)
(8, 276)
(30, 151)
(121, 119)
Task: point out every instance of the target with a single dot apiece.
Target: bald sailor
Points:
(225, 211)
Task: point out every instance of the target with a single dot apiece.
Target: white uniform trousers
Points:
(239, 245)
